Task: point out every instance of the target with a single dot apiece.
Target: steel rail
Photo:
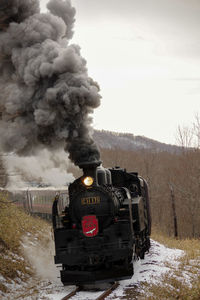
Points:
(108, 291)
(73, 293)
(105, 294)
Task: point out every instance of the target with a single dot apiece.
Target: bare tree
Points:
(185, 136)
(196, 130)
(188, 183)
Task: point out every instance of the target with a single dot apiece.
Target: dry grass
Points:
(171, 287)
(14, 224)
(191, 246)
(182, 282)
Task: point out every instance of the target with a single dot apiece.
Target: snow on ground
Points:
(47, 285)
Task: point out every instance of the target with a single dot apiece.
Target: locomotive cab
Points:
(104, 225)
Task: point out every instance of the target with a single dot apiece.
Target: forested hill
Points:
(127, 141)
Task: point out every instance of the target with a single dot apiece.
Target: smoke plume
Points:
(46, 95)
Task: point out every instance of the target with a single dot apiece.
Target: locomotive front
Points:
(95, 238)
(93, 203)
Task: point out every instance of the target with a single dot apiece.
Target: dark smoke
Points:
(16, 11)
(46, 95)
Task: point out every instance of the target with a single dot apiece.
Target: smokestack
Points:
(90, 169)
(46, 94)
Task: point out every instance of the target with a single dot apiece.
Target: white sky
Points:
(145, 55)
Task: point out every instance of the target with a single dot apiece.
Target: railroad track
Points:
(105, 294)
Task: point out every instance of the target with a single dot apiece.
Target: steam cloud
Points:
(47, 168)
(46, 95)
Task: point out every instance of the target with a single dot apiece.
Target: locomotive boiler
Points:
(106, 225)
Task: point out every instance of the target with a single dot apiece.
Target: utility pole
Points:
(174, 211)
(3, 175)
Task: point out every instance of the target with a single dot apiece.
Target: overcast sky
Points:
(145, 55)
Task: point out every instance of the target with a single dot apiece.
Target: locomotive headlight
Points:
(88, 181)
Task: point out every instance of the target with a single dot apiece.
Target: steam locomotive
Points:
(106, 225)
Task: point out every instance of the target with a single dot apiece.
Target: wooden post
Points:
(174, 211)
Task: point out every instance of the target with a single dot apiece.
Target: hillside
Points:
(127, 141)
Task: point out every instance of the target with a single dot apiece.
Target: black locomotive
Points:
(106, 225)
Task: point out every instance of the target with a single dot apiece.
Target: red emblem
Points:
(90, 226)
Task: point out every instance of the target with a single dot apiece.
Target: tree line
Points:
(174, 183)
